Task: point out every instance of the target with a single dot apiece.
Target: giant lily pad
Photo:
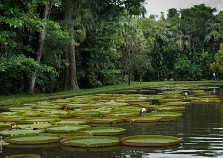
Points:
(109, 119)
(176, 103)
(150, 140)
(73, 122)
(49, 106)
(24, 156)
(19, 132)
(86, 113)
(15, 109)
(164, 115)
(13, 118)
(4, 125)
(65, 128)
(99, 131)
(206, 101)
(123, 113)
(144, 119)
(169, 100)
(169, 108)
(33, 139)
(39, 119)
(35, 125)
(89, 141)
(71, 135)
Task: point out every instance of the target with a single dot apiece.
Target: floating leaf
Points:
(41, 138)
(89, 141)
(19, 132)
(150, 140)
(103, 131)
(65, 128)
(24, 156)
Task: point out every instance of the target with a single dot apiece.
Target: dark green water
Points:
(200, 128)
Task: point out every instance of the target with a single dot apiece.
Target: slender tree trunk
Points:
(140, 78)
(42, 35)
(129, 78)
(25, 86)
(70, 78)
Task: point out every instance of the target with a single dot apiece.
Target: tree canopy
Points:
(54, 45)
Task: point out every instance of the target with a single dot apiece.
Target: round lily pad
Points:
(73, 122)
(4, 125)
(144, 119)
(164, 115)
(14, 132)
(103, 131)
(15, 109)
(109, 119)
(65, 128)
(39, 119)
(33, 139)
(71, 135)
(176, 103)
(12, 118)
(33, 146)
(169, 100)
(169, 108)
(35, 125)
(150, 140)
(124, 113)
(206, 101)
(89, 141)
(86, 113)
(24, 156)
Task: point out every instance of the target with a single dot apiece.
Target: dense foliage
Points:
(53, 45)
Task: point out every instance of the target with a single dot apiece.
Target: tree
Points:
(217, 65)
(100, 8)
(134, 48)
(23, 25)
(172, 13)
(100, 64)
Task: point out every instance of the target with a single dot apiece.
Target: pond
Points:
(200, 128)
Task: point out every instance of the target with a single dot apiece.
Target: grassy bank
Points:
(21, 99)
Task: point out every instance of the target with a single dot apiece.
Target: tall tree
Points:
(45, 13)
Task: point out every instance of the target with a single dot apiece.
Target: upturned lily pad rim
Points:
(71, 141)
(24, 156)
(106, 132)
(144, 140)
(53, 138)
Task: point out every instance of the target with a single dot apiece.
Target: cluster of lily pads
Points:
(87, 121)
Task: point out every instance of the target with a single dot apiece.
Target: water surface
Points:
(200, 128)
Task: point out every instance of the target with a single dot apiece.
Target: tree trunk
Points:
(140, 78)
(129, 78)
(42, 35)
(70, 78)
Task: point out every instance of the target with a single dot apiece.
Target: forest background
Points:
(55, 45)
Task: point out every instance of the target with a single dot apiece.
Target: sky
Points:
(157, 6)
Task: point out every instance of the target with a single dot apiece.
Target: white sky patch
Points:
(158, 6)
